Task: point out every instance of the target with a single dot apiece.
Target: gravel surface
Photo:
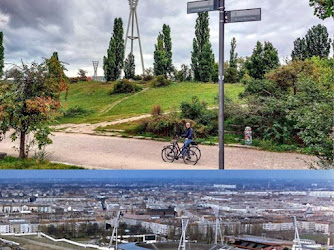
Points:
(102, 152)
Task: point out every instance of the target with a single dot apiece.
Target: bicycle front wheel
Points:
(190, 157)
(197, 151)
(168, 154)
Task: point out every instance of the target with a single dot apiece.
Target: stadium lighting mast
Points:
(95, 65)
(133, 17)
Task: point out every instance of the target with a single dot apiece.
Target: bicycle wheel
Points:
(167, 154)
(197, 151)
(190, 157)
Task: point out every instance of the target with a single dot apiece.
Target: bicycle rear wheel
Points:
(167, 154)
(190, 157)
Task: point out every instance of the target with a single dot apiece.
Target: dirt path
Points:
(112, 105)
(101, 152)
(86, 128)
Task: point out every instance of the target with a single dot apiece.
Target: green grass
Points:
(94, 98)
(15, 163)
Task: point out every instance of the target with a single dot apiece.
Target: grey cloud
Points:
(80, 30)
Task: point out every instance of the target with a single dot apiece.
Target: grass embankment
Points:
(15, 163)
(97, 104)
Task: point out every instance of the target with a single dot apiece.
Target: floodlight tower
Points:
(297, 245)
(95, 65)
(114, 236)
(132, 18)
(218, 228)
(182, 244)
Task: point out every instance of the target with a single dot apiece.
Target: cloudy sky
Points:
(80, 30)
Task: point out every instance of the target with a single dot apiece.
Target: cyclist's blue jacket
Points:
(189, 133)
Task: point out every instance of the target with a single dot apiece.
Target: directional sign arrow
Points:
(247, 15)
(202, 6)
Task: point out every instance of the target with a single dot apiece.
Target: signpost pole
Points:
(221, 83)
(246, 15)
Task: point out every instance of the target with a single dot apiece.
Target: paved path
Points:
(102, 152)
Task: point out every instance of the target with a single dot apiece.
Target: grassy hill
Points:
(90, 102)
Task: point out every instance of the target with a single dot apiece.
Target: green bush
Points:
(76, 112)
(137, 78)
(231, 75)
(148, 77)
(125, 86)
(160, 81)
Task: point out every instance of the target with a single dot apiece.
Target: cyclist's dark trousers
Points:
(186, 144)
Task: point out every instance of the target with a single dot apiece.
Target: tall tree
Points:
(264, 59)
(160, 59)
(202, 57)
(206, 63)
(130, 67)
(323, 8)
(299, 50)
(163, 63)
(168, 48)
(231, 74)
(2, 55)
(270, 57)
(113, 63)
(233, 54)
(255, 64)
(315, 43)
(318, 42)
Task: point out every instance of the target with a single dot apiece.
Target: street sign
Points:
(202, 6)
(247, 15)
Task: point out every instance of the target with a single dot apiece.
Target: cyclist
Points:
(189, 135)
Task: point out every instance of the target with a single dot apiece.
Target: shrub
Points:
(246, 79)
(160, 81)
(231, 75)
(76, 112)
(137, 78)
(125, 86)
(148, 78)
(156, 111)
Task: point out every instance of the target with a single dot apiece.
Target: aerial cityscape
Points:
(149, 212)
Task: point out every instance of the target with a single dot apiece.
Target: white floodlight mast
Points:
(132, 18)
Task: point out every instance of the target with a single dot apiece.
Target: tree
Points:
(206, 63)
(184, 74)
(270, 57)
(231, 74)
(299, 51)
(255, 64)
(215, 72)
(30, 102)
(168, 48)
(113, 63)
(160, 59)
(287, 76)
(264, 59)
(202, 58)
(2, 54)
(315, 43)
(233, 55)
(130, 67)
(163, 64)
(323, 8)
(82, 73)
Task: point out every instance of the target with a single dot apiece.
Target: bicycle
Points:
(173, 152)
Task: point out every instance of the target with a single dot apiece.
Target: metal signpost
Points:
(234, 16)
